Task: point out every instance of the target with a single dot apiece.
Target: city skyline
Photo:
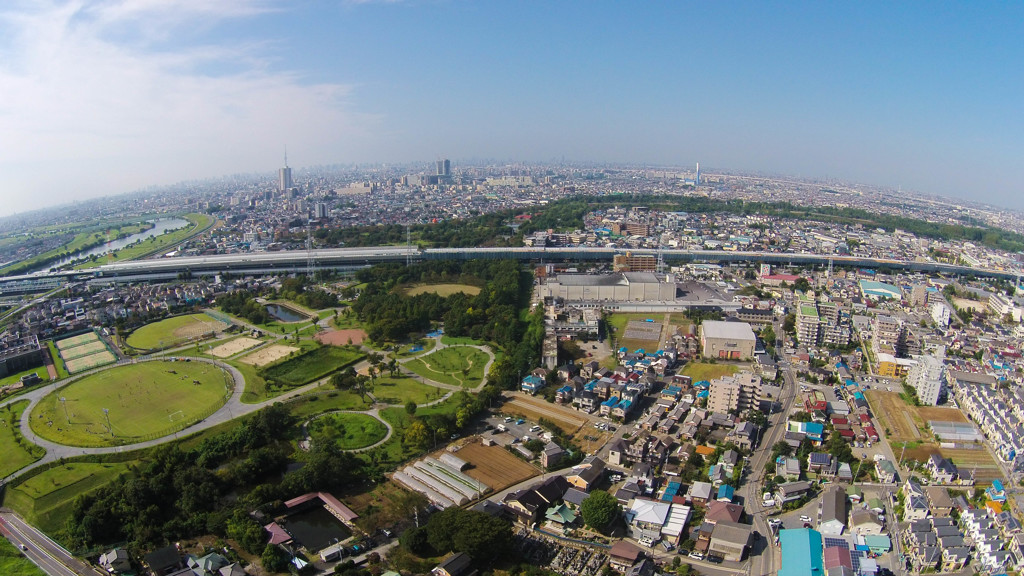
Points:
(103, 98)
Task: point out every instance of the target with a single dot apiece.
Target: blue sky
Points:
(109, 96)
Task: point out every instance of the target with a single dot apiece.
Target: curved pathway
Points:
(233, 408)
(373, 413)
(440, 346)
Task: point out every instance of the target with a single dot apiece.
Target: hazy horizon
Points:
(108, 97)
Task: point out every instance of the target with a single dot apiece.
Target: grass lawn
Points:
(346, 321)
(347, 431)
(312, 404)
(172, 331)
(393, 449)
(17, 452)
(46, 499)
(427, 344)
(14, 563)
(403, 389)
(443, 290)
(145, 400)
(312, 365)
(459, 341)
(704, 371)
(58, 364)
(458, 366)
(12, 378)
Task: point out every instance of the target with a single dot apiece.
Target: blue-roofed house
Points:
(532, 384)
(608, 405)
(814, 430)
(726, 493)
(564, 394)
(996, 491)
(801, 553)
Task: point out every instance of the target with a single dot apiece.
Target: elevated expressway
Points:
(354, 258)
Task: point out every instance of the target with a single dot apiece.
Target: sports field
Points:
(455, 365)
(145, 400)
(347, 431)
(704, 371)
(626, 333)
(235, 346)
(86, 349)
(91, 361)
(312, 365)
(172, 331)
(442, 289)
(268, 355)
(79, 340)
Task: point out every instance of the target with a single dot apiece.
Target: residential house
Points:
(700, 493)
(915, 502)
(939, 501)
(163, 561)
(833, 511)
(942, 471)
(793, 491)
(886, 471)
(459, 564)
(623, 555)
(616, 451)
(587, 473)
(115, 561)
(788, 467)
(551, 455)
(865, 522)
(730, 541)
(531, 384)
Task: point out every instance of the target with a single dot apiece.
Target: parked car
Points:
(696, 555)
(805, 518)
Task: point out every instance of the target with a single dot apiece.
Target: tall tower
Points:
(284, 175)
(444, 168)
(696, 181)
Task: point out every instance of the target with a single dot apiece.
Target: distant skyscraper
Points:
(321, 210)
(696, 181)
(444, 168)
(284, 176)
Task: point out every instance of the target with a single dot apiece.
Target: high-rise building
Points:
(737, 393)
(284, 176)
(696, 181)
(928, 378)
(320, 210)
(890, 336)
(444, 168)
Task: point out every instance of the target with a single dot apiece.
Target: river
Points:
(160, 227)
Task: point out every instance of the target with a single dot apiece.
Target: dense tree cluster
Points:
(242, 303)
(483, 537)
(180, 492)
(599, 509)
(297, 290)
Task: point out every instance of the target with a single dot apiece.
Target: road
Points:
(764, 562)
(45, 553)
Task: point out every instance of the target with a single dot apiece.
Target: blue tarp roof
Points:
(726, 491)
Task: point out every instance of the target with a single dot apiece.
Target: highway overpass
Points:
(162, 269)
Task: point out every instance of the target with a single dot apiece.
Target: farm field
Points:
(46, 499)
(347, 431)
(900, 420)
(457, 366)
(312, 365)
(235, 346)
(494, 466)
(533, 409)
(400, 390)
(977, 462)
(175, 330)
(443, 290)
(14, 563)
(145, 400)
(704, 371)
(17, 451)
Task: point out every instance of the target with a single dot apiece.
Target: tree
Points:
(274, 559)
(410, 408)
(599, 509)
(417, 434)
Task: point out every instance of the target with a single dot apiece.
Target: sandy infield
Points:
(234, 347)
(268, 355)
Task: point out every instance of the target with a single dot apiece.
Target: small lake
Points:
(160, 227)
(316, 528)
(285, 314)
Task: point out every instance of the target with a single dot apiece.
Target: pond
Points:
(285, 314)
(316, 528)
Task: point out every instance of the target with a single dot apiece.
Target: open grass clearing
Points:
(17, 451)
(456, 365)
(394, 450)
(400, 390)
(174, 330)
(347, 431)
(706, 371)
(58, 364)
(324, 401)
(384, 506)
(443, 290)
(145, 400)
(46, 498)
(312, 365)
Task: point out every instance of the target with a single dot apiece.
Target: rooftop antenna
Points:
(285, 155)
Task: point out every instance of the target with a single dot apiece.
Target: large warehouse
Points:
(732, 340)
(619, 287)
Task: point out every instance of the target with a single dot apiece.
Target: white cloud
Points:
(101, 98)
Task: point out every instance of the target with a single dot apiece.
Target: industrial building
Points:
(618, 287)
(727, 340)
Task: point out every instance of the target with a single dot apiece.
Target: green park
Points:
(455, 365)
(347, 431)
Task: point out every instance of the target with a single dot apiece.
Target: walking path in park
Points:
(233, 408)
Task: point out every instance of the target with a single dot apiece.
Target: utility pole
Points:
(64, 402)
(106, 414)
